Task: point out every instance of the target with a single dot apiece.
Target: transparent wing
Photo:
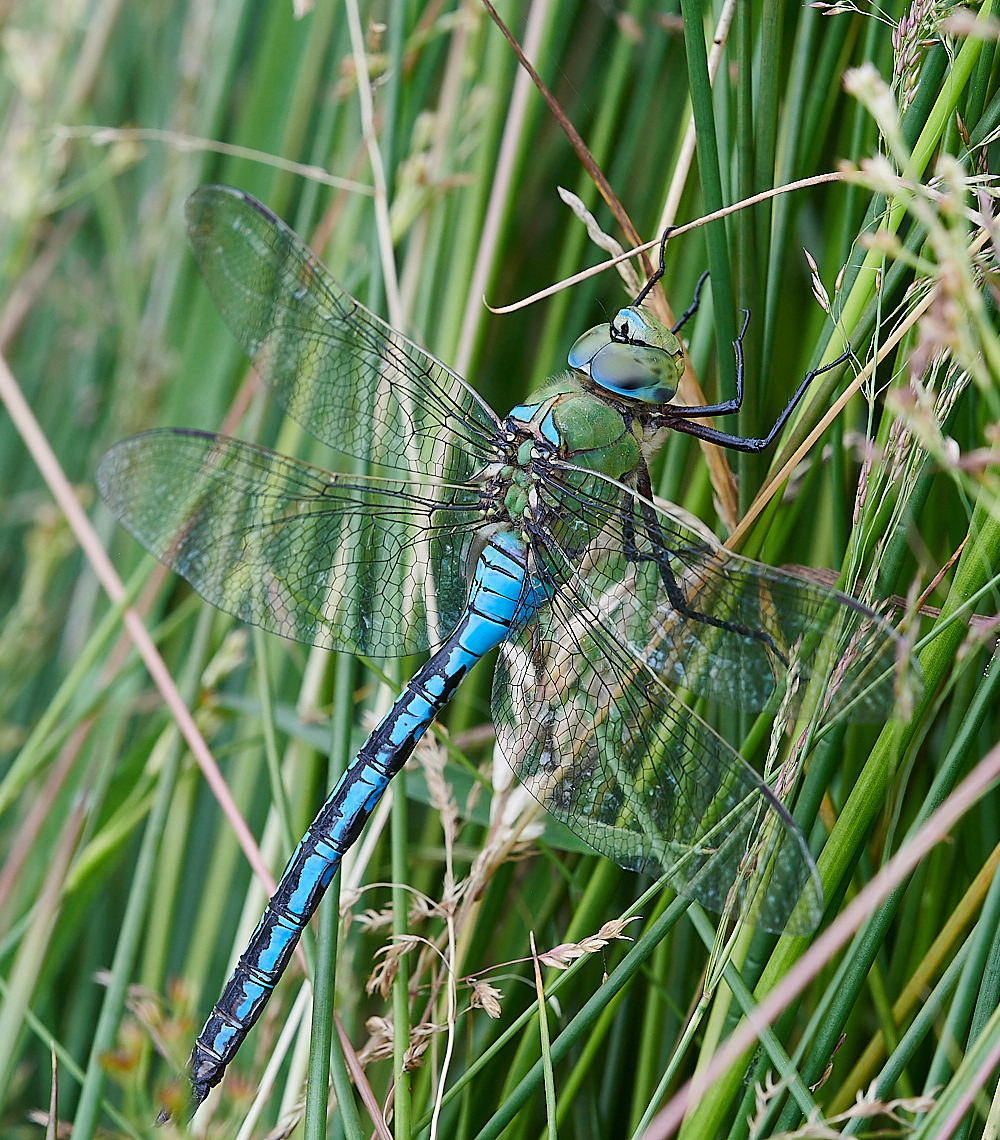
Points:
(609, 750)
(362, 565)
(722, 626)
(340, 371)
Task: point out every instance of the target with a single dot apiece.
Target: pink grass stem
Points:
(821, 952)
(361, 1081)
(45, 459)
(969, 1095)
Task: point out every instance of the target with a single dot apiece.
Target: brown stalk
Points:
(915, 990)
(51, 470)
(27, 290)
(584, 155)
(357, 1075)
(27, 834)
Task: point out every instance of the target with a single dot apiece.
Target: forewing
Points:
(336, 368)
(719, 625)
(363, 565)
(609, 750)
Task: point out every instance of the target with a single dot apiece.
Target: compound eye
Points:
(636, 371)
(588, 346)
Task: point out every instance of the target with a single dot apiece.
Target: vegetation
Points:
(123, 892)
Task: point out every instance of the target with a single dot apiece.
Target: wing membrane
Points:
(609, 750)
(349, 378)
(722, 626)
(362, 565)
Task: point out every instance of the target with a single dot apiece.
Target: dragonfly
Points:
(457, 531)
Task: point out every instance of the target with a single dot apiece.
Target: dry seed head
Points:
(953, 184)
(371, 920)
(939, 330)
(379, 1043)
(818, 289)
(867, 1105)
(432, 757)
(763, 1095)
(384, 974)
(964, 22)
(844, 662)
(909, 41)
(560, 956)
(413, 1057)
(882, 176)
(422, 908)
(897, 448)
(859, 499)
(871, 90)
(487, 998)
(614, 927)
(348, 897)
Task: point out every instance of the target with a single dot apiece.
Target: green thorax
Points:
(601, 415)
(580, 426)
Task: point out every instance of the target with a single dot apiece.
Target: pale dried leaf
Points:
(601, 239)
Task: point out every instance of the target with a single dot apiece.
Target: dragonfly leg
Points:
(690, 311)
(727, 407)
(658, 274)
(677, 417)
(660, 555)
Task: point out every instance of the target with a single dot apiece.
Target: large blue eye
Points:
(635, 370)
(640, 359)
(588, 346)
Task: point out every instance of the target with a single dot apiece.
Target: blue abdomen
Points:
(500, 593)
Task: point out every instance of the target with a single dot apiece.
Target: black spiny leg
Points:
(676, 417)
(675, 595)
(659, 272)
(690, 311)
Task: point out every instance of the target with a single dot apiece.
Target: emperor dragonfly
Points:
(537, 533)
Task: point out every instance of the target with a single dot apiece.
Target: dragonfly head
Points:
(634, 357)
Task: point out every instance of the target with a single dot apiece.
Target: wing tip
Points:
(204, 200)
